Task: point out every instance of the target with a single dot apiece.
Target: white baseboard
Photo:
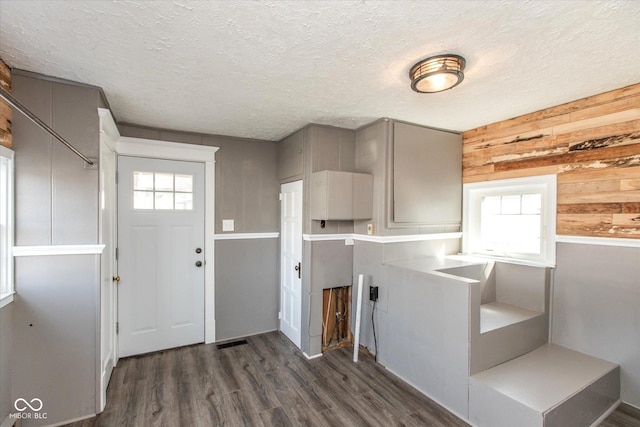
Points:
(315, 356)
(609, 411)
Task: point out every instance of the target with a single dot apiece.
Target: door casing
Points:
(138, 147)
(291, 261)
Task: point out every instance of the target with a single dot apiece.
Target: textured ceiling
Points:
(263, 69)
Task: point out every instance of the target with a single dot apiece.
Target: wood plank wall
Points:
(593, 145)
(5, 109)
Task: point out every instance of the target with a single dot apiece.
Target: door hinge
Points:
(116, 178)
(117, 328)
(279, 315)
(280, 196)
(116, 253)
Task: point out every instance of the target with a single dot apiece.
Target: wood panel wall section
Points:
(5, 109)
(593, 145)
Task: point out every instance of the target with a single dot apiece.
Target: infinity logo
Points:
(35, 404)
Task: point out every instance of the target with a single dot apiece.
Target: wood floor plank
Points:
(269, 382)
(296, 408)
(276, 417)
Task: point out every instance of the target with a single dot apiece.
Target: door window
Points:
(162, 191)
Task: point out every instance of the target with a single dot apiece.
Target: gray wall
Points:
(55, 334)
(247, 271)
(6, 317)
(596, 307)
(246, 177)
(246, 296)
(325, 264)
(55, 359)
(56, 196)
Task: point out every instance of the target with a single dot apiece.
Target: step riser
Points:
(501, 345)
(585, 407)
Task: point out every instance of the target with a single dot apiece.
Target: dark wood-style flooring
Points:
(266, 382)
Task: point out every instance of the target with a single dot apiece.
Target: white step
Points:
(504, 333)
(496, 315)
(550, 386)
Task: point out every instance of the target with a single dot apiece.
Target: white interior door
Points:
(108, 269)
(291, 258)
(160, 254)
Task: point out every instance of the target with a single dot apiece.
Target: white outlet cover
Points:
(227, 225)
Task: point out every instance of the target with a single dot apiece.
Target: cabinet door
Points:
(427, 175)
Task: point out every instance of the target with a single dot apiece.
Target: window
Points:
(162, 191)
(511, 218)
(6, 226)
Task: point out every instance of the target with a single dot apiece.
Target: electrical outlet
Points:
(370, 229)
(227, 225)
(373, 293)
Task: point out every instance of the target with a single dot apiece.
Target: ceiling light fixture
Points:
(437, 73)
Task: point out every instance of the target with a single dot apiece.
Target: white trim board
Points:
(138, 147)
(602, 241)
(241, 236)
(50, 250)
(382, 239)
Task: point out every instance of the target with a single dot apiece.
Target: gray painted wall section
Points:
(6, 321)
(247, 185)
(595, 307)
(56, 204)
(56, 196)
(247, 293)
(54, 338)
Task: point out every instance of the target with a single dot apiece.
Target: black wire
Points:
(373, 323)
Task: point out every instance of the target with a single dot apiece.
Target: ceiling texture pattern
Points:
(262, 69)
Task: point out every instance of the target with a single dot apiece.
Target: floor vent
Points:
(231, 344)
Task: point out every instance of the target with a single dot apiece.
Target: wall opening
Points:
(336, 317)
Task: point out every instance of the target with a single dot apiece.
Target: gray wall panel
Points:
(247, 287)
(74, 205)
(290, 157)
(230, 186)
(184, 137)
(247, 185)
(56, 196)
(54, 336)
(371, 157)
(595, 307)
(6, 401)
(134, 131)
(33, 148)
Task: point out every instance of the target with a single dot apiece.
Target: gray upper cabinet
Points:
(290, 156)
(427, 176)
(337, 195)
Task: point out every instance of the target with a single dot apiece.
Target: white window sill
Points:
(5, 299)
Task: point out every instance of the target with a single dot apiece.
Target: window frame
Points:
(472, 195)
(7, 289)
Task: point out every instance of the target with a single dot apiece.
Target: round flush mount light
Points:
(437, 73)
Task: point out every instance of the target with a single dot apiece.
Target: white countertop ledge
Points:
(431, 265)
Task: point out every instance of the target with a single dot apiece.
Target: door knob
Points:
(198, 263)
(198, 250)
(116, 278)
